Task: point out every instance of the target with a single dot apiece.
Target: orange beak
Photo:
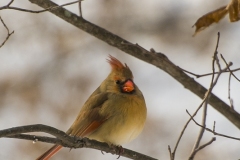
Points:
(128, 86)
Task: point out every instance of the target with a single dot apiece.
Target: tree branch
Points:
(205, 101)
(66, 140)
(201, 147)
(212, 131)
(214, 80)
(8, 33)
(32, 11)
(157, 59)
(229, 67)
(208, 74)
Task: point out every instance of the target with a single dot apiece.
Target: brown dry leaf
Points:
(233, 9)
(209, 18)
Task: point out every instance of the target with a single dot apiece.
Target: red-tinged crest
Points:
(115, 63)
(119, 70)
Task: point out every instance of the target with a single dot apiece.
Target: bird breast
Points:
(127, 115)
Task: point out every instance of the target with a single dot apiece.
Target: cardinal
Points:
(115, 113)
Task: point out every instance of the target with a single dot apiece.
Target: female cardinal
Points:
(115, 113)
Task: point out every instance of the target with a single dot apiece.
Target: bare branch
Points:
(185, 126)
(35, 139)
(8, 32)
(214, 125)
(213, 83)
(217, 60)
(229, 81)
(66, 140)
(80, 8)
(229, 68)
(201, 147)
(31, 11)
(215, 57)
(206, 96)
(201, 132)
(10, 3)
(212, 131)
(170, 153)
(204, 117)
(206, 144)
(35, 128)
(208, 74)
(229, 92)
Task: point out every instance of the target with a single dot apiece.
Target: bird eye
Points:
(117, 82)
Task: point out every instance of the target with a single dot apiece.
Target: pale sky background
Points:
(48, 68)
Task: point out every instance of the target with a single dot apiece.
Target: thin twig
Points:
(206, 144)
(194, 114)
(229, 91)
(229, 67)
(191, 157)
(207, 94)
(185, 126)
(40, 11)
(207, 74)
(170, 153)
(201, 132)
(229, 81)
(214, 125)
(215, 58)
(80, 8)
(8, 33)
(204, 117)
(212, 131)
(10, 3)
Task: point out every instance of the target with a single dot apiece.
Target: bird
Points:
(114, 113)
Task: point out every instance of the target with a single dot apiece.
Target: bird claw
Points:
(118, 149)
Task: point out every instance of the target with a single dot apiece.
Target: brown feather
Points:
(49, 153)
(90, 128)
(89, 118)
(115, 64)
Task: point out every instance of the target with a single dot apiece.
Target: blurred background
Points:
(48, 68)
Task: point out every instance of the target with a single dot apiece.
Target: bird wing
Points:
(87, 121)
(89, 118)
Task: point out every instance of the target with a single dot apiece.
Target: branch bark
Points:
(157, 59)
(66, 140)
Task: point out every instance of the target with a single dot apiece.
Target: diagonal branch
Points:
(208, 74)
(32, 11)
(157, 59)
(8, 32)
(229, 68)
(212, 131)
(66, 140)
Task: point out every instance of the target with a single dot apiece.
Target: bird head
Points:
(120, 78)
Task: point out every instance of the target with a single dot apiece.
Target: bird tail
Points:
(49, 153)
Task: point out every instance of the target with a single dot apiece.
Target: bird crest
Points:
(115, 63)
